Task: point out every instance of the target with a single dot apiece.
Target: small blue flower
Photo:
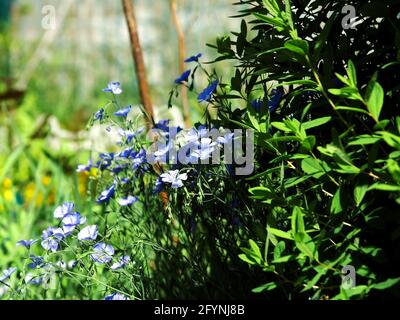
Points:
(70, 221)
(226, 138)
(106, 195)
(158, 186)
(50, 244)
(123, 112)
(26, 243)
(7, 274)
(206, 94)
(88, 233)
(61, 211)
(113, 87)
(163, 125)
(127, 201)
(103, 252)
(275, 99)
(84, 168)
(99, 115)
(194, 58)
(257, 104)
(184, 77)
(116, 296)
(51, 238)
(122, 262)
(125, 153)
(53, 232)
(129, 135)
(174, 178)
(32, 279)
(138, 158)
(37, 262)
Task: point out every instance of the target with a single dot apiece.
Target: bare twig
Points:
(181, 42)
(138, 59)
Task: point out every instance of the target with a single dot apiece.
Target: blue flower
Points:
(37, 262)
(226, 138)
(106, 195)
(206, 94)
(163, 125)
(32, 279)
(184, 77)
(123, 112)
(161, 155)
(257, 104)
(116, 296)
(194, 58)
(204, 149)
(99, 115)
(129, 135)
(125, 153)
(61, 211)
(84, 168)
(26, 243)
(127, 201)
(113, 87)
(122, 262)
(158, 186)
(70, 221)
(275, 99)
(138, 158)
(88, 233)
(50, 244)
(103, 253)
(174, 178)
(7, 273)
(51, 238)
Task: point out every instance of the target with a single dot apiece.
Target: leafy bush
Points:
(327, 179)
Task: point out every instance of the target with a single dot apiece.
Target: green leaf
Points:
(384, 187)
(336, 204)
(265, 287)
(272, 6)
(375, 100)
(364, 140)
(298, 46)
(359, 192)
(314, 167)
(347, 92)
(277, 22)
(297, 221)
(280, 233)
(278, 250)
(351, 72)
(307, 246)
(316, 122)
(386, 284)
(254, 247)
(245, 259)
(280, 126)
(352, 109)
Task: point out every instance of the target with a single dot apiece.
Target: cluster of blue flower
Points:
(54, 238)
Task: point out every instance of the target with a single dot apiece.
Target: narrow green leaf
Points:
(375, 100)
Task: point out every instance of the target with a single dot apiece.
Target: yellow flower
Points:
(7, 183)
(46, 180)
(93, 172)
(8, 195)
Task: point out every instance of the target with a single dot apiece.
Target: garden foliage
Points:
(323, 102)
